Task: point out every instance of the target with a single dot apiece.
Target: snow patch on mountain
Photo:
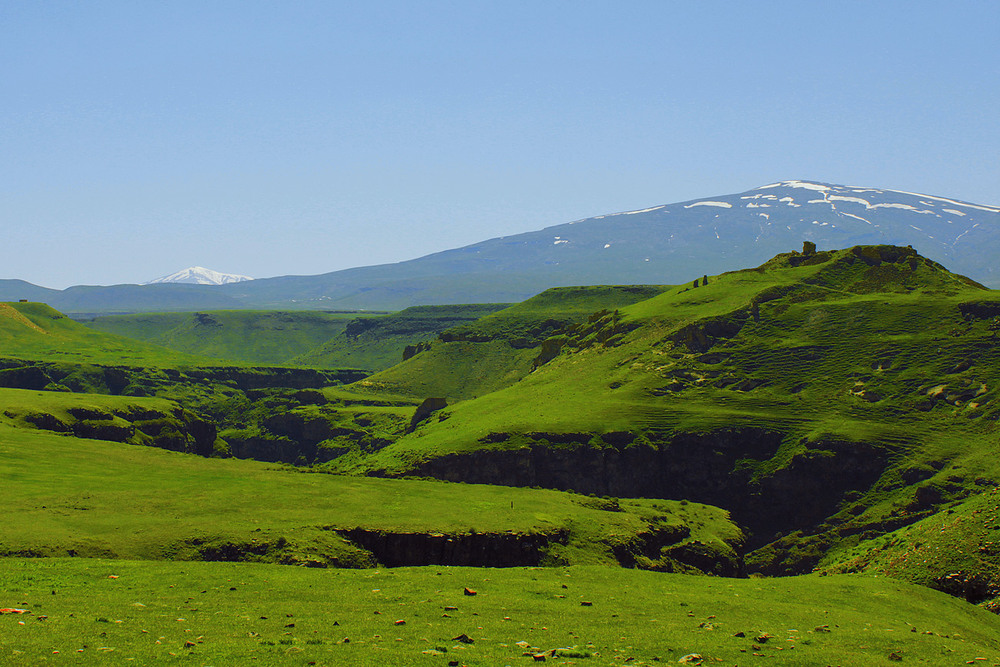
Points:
(644, 210)
(199, 275)
(855, 200)
(720, 204)
(991, 209)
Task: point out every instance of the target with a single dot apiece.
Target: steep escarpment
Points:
(147, 381)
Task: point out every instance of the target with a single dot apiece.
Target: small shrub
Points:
(572, 653)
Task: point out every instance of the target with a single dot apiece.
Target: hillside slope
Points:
(37, 331)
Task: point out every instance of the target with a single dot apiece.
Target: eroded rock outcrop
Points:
(509, 549)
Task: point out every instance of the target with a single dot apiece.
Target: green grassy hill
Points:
(500, 348)
(813, 397)
(35, 331)
(378, 343)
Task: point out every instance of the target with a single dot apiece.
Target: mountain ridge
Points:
(664, 244)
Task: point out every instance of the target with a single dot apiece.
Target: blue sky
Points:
(275, 138)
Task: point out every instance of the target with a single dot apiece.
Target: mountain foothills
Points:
(824, 417)
(662, 244)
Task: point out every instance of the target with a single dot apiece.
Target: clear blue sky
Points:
(271, 138)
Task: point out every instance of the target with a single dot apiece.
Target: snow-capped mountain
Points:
(731, 231)
(199, 275)
(665, 244)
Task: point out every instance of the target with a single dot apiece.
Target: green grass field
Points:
(96, 611)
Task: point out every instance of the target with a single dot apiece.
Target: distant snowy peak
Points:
(199, 275)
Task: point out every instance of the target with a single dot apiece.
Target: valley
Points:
(821, 427)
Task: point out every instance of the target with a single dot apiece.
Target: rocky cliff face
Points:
(140, 381)
(713, 468)
(466, 549)
(264, 377)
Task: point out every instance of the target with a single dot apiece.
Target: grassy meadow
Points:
(98, 611)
